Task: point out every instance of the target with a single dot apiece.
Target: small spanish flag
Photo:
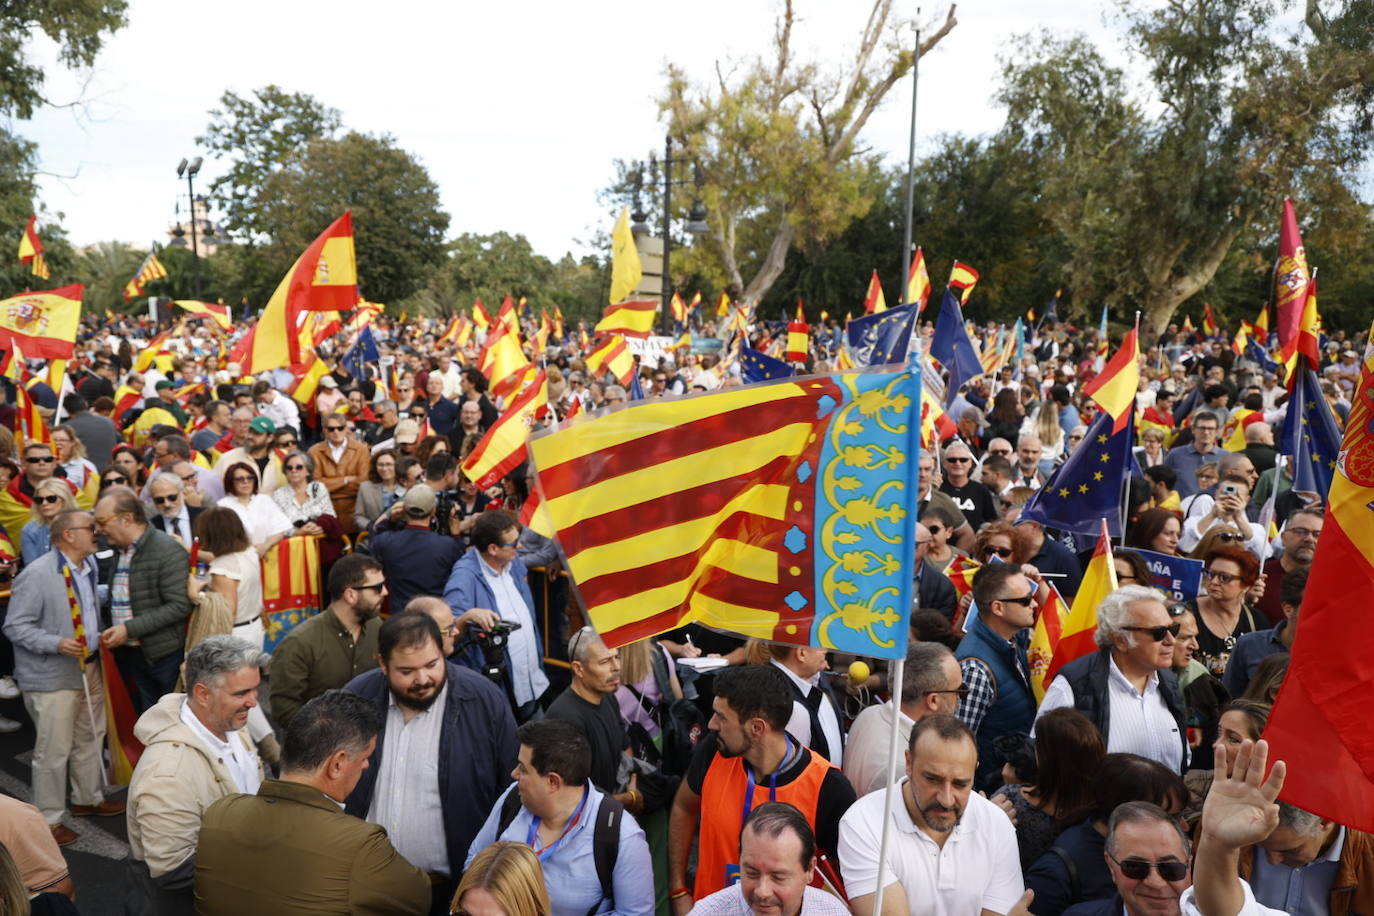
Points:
(31, 250)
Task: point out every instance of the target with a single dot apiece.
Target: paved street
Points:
(97, 859)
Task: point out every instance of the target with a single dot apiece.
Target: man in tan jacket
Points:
(196, 751)
(341, 464)
(291, 849)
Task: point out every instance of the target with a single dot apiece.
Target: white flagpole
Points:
(895, 668)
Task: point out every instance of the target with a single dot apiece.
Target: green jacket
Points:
(157, 594)
(315, 656)
(290, 849)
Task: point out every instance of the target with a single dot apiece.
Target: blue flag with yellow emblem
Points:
(1310, 437)
(1088, 486)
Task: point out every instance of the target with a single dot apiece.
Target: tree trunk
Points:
(772, 265)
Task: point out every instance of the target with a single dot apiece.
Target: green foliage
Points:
(259, 135)
(104, 268)
(78, 27)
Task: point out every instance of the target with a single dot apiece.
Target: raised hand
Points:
(1240, 809)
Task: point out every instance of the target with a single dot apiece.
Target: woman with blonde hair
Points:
(80, 470)
(50, 497)
(503, 880)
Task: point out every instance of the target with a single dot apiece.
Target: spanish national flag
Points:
(798, 338)
(630, 319)
(612, 355)
(219, 314)
(32, 429)
(918, 281)
(44, 323)
(1209, 321)
(962, 278)
(502, 449)
(723, 304)
(324, 278)
(503, 354)
(626, 271)
(31, 250)
(679, 308)
(1115, 387)
(874, 301)
(1049, 627)
(480, 316)
(1099, 581)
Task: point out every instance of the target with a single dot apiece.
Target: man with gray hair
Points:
(932, 684)
(972, 498)
(196, 751)
(1127, 688)
(1309, 865)
(167, 491)
(590, 704)
(1147, 856)
(291, 848)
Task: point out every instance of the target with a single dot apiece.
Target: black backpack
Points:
(680, 722)
(605, 840)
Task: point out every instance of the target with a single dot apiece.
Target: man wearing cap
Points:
(340, 464)
(415, 559)
(407, 434)
(258, 453)
(166, 401)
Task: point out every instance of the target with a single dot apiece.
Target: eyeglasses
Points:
(46, 459)
(164, 500)
(47, 499)
(1139, 869)
(1004, 452)
(961, 691)
(1222, 577)
(1157, 633)
(576, 641)
(1227, 537)
(287, 443)
(1027, 600)
(1002, 552)
(375, 587)
(242, 478)
(82, 528)
(1305, 532)
(102, 522)
(1204, 429)
(333, 428)
(295, 467)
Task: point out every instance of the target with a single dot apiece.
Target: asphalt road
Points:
(97, 858)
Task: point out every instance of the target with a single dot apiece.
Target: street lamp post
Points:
(189, 169)
(696, 221)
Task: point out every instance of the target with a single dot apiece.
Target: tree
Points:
(778, 147)
(398, 224)
(1153, 187)
(259, 134)
(105, 268)
(18, 191)
(79, 30)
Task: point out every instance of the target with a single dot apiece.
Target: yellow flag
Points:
(625, 268)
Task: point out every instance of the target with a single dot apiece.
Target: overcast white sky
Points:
(516, 109)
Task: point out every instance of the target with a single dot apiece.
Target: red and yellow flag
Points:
(31, 250)
(874, 301)
(1114, 388)
(918, 281)
(1049, 626)
(723, 304)
(502, 449)
(963, 279)
(1291, 276)
(936, 425)
(612, 355)
(1320, 722)
(480, 316)
(151, 269)
(31, 429)
(503, 354)
(679, 308)
(325, 279)
(219, 314)
(1209, 320)
(634, 318)
(291, 575)
(120, 718)
(1305, 343)
(43, 324)
(798, 346)
(1076, 636)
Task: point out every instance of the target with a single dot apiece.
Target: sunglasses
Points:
(1226, 537)
(961, 691)
(47, 499)
(370, 588)
(1139, 869)
(113, 481)
(1002, 552)
(49, 459)
(957, 460)
(242, 478)
(164, 500)
(1222, 577)
(934, 529)
(333, 429)
(1157, 633)
(295, 467)
(287, 443)
(1028, 600)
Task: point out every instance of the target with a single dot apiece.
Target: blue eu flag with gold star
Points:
(1310, 437)
(760, 367)
(1088, 486)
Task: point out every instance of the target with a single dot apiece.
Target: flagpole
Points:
(895, 669)
(1126, 478)
(910, 181)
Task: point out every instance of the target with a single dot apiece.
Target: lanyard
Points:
(772, 780)
(572, 822)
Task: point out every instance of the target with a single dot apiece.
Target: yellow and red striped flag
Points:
(506, 314)
(450, 332)
(798, 338)
(291, 575)
(626, 270)
(480, 316)
(31, 250)
(502, 449)
(874, 301)
(631, 319)
(723, 304)
(219, 314)
(323, 279)
(679, 308)
(1209, 321)
(540, 343)
(936, 425)
(918, 281)
(1114, 388)
(1305, 340)
(612, 355)
(151, 269)
(962, 278)
(31, 429)
(558, 324)
(12, 363)
(43, 323)
(1076, 635)
(502, 355)
(1049, 627)
(120, 718)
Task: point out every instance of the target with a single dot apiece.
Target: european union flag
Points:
(636, 392)
(760, 367)
(882, 338)
(952, 347)
(1310, 437)
(364, 350)
(1088, 486)
(1187, 404)
(1260, 356)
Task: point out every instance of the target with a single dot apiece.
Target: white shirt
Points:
(865, 758)
(978, 868)
(282, 411)
(241, 763)
(1140, 723)
(1257, 541)
(1187, 904)
(799, 726)
(261, 518)
(182, 532)
(406, 798)
(336, 451)
(528, 681)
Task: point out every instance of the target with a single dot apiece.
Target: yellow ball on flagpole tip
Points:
(858, 672)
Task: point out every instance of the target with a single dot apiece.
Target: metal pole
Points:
(895, 669)
(910, 167)
(666, 293)
(195, 253)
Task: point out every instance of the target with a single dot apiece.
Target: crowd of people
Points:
(446, 733)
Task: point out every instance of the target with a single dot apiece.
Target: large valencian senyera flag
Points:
(1320, 723)
(780, 511)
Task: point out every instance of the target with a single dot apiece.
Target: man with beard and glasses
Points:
(926, 874)
(443, 756)
(777, 858)
(747, 759)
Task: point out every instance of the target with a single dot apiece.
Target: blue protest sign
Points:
(1178, 577)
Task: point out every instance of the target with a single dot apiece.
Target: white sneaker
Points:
(9, 690)
(9, 725)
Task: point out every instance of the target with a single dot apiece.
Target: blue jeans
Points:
(149, 681)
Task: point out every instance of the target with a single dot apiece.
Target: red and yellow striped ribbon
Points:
(78, 621)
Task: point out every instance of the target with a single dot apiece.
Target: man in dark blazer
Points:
(171, 515)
